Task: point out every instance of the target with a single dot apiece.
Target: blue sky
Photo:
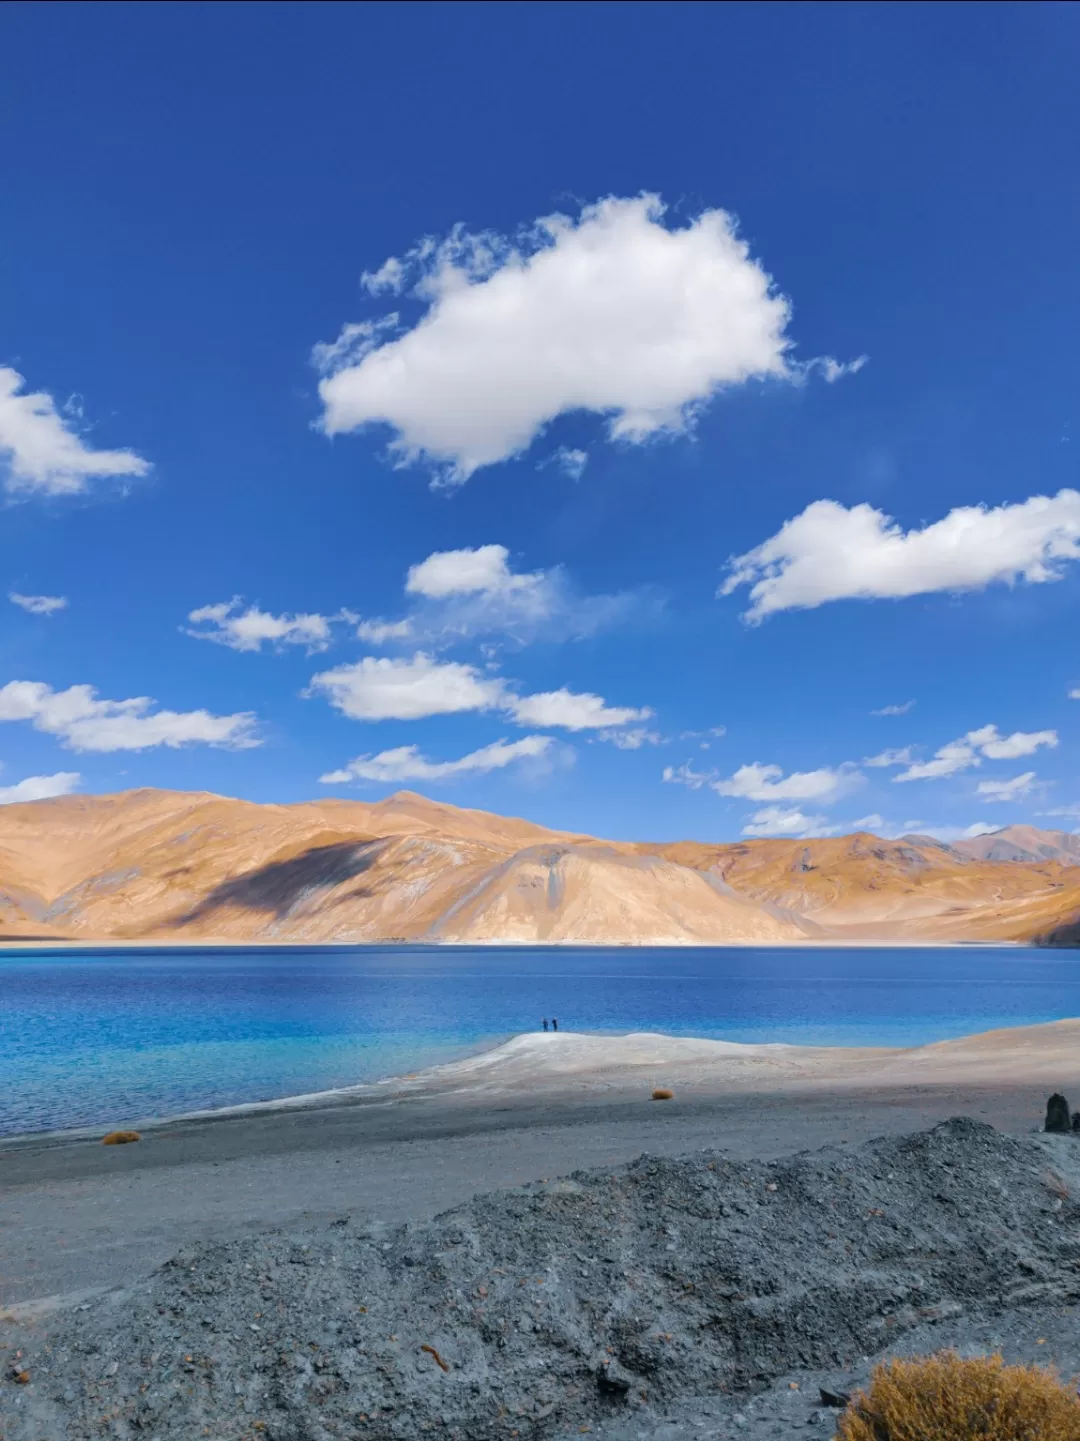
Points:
(386, 391)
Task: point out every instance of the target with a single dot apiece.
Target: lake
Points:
(91, 1037)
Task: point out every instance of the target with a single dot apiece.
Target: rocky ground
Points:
(659, 1300)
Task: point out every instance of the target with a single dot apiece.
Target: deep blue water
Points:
(93, 1037)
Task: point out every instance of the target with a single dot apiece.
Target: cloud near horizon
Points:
(39, 788)
(775, 821)
(40, 450)
(1008, 790)
(82, 722)
(405, 763)
(830, 552)
(610, 311)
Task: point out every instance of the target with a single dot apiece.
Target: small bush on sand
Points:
(945, 1398)
(663, 1094)
(120, 1138)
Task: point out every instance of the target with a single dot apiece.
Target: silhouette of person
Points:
(554, 1024)
(545, 1023)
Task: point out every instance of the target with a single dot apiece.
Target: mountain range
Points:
(172, 866)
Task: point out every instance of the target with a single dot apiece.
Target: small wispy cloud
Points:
(895, 709)
(38, 604)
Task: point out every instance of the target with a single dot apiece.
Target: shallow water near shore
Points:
(99, 1036)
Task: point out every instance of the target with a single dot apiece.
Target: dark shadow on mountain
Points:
(281, 885)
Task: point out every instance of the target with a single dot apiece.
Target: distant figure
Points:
(1057, 1115)
(554, 1024)
(545, 1023)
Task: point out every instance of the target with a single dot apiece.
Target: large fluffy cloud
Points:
(381, 688)
(39, 788)
(759, 782)
(575, 711)
(405, 763)
(830, 552)
(611, 312)
(84, 723)
(40, 449)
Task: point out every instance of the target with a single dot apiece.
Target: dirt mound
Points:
(564, 1303)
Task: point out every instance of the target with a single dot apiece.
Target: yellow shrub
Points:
(944, 1398)
(120, 1138)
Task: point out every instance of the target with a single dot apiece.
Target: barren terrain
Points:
(178, 867)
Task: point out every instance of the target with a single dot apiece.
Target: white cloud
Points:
(38, 604)
(378, 632)
(40, 450)
(571, 462)
(39, 788)
(463, 594)
(85, 723)
(899, 757)
(895, 709)
(573, 711)
(390, 689)
(832, 553)
(1011, 790)
(611, 312)
(685, 775)
(958, 833)
(962, 754)
(383, 689)
(1010, 748)
(248, 629)
(1062, 811)
(480, 570)
(405, 763)
(1074, 695)
(633, 739)
(774, 821)
(834, 370)
(759, 782)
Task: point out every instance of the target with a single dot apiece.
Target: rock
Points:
(1058, 1119)
(612, 1380)
(663, 1094)
(836, 1399)
(120, 1138)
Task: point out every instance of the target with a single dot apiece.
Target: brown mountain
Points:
(172, 866)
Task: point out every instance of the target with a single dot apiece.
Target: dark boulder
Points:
(1058, 1119)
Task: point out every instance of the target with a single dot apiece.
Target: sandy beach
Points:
(77, 1216)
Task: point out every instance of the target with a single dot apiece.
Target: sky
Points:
(657, 420)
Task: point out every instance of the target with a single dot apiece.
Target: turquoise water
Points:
(93, 1037)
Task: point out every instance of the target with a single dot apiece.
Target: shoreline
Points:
(825, 943)
(82, 1217)
(539, 1063)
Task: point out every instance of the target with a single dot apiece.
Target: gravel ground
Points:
(659, 1300)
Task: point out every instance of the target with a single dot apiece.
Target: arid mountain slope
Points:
(173, 866)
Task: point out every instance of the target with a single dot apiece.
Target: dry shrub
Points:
(120, 1138)
(945, 1398)
(663, 1094)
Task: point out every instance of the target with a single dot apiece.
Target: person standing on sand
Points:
(545, 1023)
(554, 1024)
